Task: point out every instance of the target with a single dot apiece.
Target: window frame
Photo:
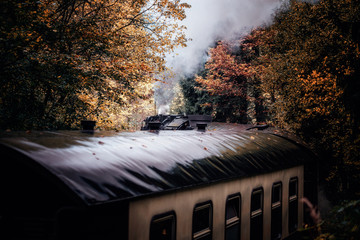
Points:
(277, 203)
(234, 220)
(257, 215)
(293, 203)
(295, 196)
(206, 231)
(163, 217)
(258, 211)
(276, 207)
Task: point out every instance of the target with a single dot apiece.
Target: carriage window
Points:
(276, 194)
(256, 202)
(232, 221)
(163, 227)
(202, 221)
(256, 221)
(293, 187)
(293, 204)
(276, 211)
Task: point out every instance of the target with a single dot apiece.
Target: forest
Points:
(63, 61)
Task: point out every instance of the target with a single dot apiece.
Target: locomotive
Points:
(181, 177)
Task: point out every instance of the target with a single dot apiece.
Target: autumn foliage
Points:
(230, 80)
(302, 72)
(63, 61)
(226, 74)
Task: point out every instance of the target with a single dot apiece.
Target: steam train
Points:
(221, 181)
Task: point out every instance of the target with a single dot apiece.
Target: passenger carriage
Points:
(223, 183)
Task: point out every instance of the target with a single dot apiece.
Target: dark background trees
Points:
(315, 73)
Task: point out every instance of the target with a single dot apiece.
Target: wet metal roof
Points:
(109, 166)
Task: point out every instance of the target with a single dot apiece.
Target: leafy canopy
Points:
(63, 61)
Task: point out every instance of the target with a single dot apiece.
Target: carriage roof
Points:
(109, 166)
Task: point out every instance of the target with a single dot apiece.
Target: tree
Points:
(195, 100)
(231, 81)
(177, 105)
(68, 60)
(310, 68)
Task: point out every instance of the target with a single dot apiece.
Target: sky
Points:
(208, 21)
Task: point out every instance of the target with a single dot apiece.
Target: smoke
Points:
(207, 22)
(211, 20)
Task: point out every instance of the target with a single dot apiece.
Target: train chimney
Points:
(201, 126)
(88, 126)
(199, 121)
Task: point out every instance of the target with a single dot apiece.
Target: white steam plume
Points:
(211, 20)
(207, 22)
